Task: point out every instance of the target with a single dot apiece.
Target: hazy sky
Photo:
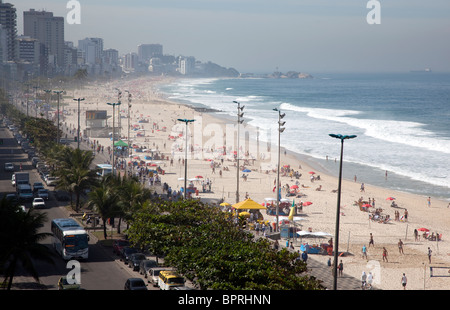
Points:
(261, 35)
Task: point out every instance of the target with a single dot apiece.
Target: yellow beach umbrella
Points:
(248, 204)
(224, 204)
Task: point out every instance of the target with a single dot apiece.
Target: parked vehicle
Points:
(135, 284)
(119, 244)
(168, 280)
(126, 253)
(24, 192)
(37, 186)
(153, 274)
(135, 260)
(145, 266)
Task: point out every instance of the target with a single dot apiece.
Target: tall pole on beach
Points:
(338, 209)
(240, 114)
(78, 130)
(58, 92)
(187, 121)
(128, 134)
(280, 130)
(113, 135)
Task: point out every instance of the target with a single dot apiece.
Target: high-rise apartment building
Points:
(49, 31)
(8, 20)
(92, 49)
(147, 51)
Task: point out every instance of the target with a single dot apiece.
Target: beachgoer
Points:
(429, 255)
(429, 201)
(363, 280)
(385, 254)
(340, 268)
(364, 251)
(400, 246)
(362, 187)
(371, 240)
(404, 281)
(369, 280)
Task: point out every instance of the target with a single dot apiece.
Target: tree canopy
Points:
(208, 248)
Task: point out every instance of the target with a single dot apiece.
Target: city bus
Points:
(70, 240)
(103, 169)
(169, 279)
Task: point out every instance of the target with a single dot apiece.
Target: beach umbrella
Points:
(248, 204)
(246, 170)
(199, 177)
(311, 172)
(390, 198)
(294, 187)
(225, 204)
(244, 214)
(366, 205)
(308, 203)
(423, 229)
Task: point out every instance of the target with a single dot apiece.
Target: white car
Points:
(38, 203)
(9, 167)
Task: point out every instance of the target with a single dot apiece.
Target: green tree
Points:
(21, 240)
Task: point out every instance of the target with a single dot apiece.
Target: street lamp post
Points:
(113, 134)
(78, 130)
(128, 134)
(280, 130)
(240, 114)
(58, 92)
(187, 121)
(49, 98)
(338, 209)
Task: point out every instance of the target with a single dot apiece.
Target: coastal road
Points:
(102, 271)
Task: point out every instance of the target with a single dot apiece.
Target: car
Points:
(12, 197)
(64, 285)
(135, 284)
(135, 260)
(43, 193)
(51, 181)
(38, 203)
(145, 266)
(37, 186)
(9, 167)
(13, 180)
(119, 244)
(126, 253)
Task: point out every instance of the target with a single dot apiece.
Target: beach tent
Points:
(120, 143)
(248, 204)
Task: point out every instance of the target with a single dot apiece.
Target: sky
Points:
(263, 35)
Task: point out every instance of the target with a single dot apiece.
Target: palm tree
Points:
(131, 197)
(20, 240)
(103, 199)
(74, 172)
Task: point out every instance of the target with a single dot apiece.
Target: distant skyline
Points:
(261, 35)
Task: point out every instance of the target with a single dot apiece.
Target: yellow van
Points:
(169, 279)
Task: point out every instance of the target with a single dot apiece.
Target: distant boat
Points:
(424, 70)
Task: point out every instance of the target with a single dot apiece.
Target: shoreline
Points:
(355, 225)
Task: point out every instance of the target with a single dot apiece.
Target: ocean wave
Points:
(402, 132)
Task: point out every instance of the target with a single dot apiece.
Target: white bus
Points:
(70, 240)
(103, 169)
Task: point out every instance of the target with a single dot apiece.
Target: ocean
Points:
(402, 122)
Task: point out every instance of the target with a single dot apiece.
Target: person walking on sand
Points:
(400, 246)
(340, 268)
(371, 240)
(429, 255)
(364, 251)
(385, 255)
(404, 281)
(429, 201)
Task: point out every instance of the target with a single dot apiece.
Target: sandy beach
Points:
(155, 119)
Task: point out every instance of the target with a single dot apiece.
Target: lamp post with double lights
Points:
(240, 114)
(280, 130)
(78, 130)
(113, 134)
(58, 92)
(128, 134)
(186, 121)
(336, 234)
